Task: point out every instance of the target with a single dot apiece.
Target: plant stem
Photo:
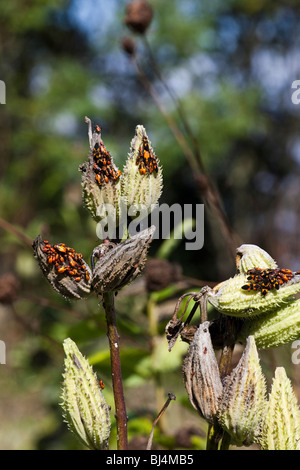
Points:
(171, 396)
(152, 317)
(214, 435)
(226, 440)
(16, 232)
(154, 337)
(113, 337)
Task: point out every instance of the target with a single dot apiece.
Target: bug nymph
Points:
(265, 280)
(103, 167)
(61, 247)
(146, 159)
(66, 260)
(65, 269)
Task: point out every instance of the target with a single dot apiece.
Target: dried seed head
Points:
(9, 288)
(100, 177)
(231, 298)
(176, 326)
(280, 326)
(121, 264)
(65, 269)
(243, 399)
(160, 273)
(201, 374)
(252, 256)
(84, 406)
(139, 15)
(281, 425)
(128, 45)
(141, 180)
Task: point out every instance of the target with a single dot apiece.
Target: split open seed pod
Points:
(64, 268)
(202, 376)
(141, 180)
(119, 265)
(100, 179)
(243, 400)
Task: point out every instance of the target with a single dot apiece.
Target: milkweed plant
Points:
(256, 307)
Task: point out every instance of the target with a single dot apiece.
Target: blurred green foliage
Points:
(231, 65)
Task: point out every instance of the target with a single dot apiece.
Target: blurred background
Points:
(211, 82)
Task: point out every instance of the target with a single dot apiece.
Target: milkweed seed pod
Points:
(230, 298)
(274, 328)
(120, 264)
(201, 374)
(281, 425)
(141, 180)
(243, 399)
(257, 290)
(65, 269)
(100, 178)
(252, 256)
(84, 407)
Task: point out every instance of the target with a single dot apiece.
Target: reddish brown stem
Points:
(113, 337)
(15, 231)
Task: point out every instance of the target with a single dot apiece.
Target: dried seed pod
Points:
(176, 326)
(100, 178)
(201, 374)
(120, 265)
(128, 45)
(139, 15)
(65, 269)
(160, 273)
(85, 409)
(281, 425)
(141, 180)
(272, 329)
(9, 288)
(243, 400)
